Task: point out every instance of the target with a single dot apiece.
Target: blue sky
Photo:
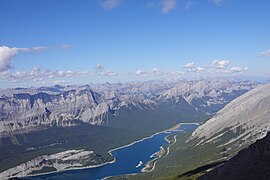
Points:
(82, 41)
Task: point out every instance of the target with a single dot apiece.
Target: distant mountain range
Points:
(25, 109)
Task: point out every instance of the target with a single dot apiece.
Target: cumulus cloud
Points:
(110, 4)
(221, 63)
(192, 68)
(265, 53)
(109, 73)
(189, 65)
(7, 54)
(99, 67)
(199, 69)
(38, 74)
(238, 69)
(218, 67)
(155, 70)
(140, 72)
(168, 5)
(157, 73)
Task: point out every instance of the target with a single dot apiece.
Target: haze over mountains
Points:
(24, 109)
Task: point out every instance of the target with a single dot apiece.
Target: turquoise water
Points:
(127, 158)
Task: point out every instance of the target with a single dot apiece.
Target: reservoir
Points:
(129, 159)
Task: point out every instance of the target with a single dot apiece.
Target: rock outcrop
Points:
(55, 162)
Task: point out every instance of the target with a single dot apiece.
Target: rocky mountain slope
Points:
(54, 162)
(24, 109)
(250, 163)
(239, 123)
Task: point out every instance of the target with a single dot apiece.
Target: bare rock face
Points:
(242, 121)
(249, 164)
(24, 109)
(55, 162)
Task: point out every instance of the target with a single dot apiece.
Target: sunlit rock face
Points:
(241, 122)
(55, 162)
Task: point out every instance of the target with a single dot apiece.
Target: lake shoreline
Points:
(173, 128)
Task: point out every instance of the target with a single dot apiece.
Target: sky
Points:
(50, 42)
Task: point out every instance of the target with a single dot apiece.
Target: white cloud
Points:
(189, 65)
(265, 53)
(39, 48)
(99, 67)
(199, 69)
(218, 67)
(192, 68)
(35, 70)
(221, 63)
(6, 56)
(168, 5)
(155, 70)
(110, 4)
(109, 73)
(238, 69)
(140, 72)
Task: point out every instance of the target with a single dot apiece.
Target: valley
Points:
(132, 112)
(134, 89)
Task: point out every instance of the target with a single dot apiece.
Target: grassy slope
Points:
(186, 157)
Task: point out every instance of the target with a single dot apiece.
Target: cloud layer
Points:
(40, 75)
(265, 53)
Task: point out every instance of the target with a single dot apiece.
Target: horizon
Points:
(259, 80)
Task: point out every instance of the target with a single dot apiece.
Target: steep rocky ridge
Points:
(241, 122)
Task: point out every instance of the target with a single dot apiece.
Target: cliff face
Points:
(249, 164)
(25, 111)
